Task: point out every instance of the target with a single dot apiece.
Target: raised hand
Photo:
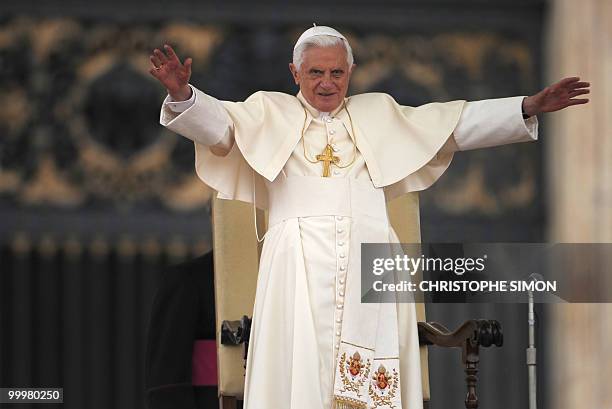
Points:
(557, 96)
(173, 75)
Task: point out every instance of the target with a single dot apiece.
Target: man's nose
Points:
(326, 82)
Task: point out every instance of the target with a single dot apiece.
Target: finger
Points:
(155, 61)
(154, 72)
(188, 62)
(578, 92)
(578, 101)
(568, 80)
(171, 54)
(160, 55)
(580, 85)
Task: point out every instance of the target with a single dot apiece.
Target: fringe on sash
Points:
(341, 402)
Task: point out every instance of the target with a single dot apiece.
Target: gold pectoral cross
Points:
(327, 158)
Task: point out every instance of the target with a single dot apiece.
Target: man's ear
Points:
(353, 67)
(294, 72)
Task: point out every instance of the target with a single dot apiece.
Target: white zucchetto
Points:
(317, 31)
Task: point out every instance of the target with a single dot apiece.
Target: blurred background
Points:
(96, 198)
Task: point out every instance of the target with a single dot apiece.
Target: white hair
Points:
(321, 41)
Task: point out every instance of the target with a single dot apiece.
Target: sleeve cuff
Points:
(181, 106)
(531, 124)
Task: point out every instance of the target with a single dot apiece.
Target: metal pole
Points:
(531, 354)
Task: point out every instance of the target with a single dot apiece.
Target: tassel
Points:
(341, 402)
(346, 405)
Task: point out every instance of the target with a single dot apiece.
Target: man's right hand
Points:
(173, 75)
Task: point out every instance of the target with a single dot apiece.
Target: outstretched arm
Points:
(186, 110)
(557, 96)
(495, 122)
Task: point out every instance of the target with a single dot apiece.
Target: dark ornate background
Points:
(96, 197)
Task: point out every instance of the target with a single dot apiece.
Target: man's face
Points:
(323, 76)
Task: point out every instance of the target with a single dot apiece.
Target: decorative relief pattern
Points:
(81, 123)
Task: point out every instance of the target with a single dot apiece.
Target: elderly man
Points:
(324, 164)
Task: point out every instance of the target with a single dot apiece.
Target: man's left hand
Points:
(557, 96)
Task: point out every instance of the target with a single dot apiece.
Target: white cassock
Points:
(309, 268)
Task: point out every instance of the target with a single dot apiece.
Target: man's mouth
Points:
(326, 94)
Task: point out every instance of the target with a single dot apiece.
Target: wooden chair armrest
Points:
(481, 332)
(469, 337)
